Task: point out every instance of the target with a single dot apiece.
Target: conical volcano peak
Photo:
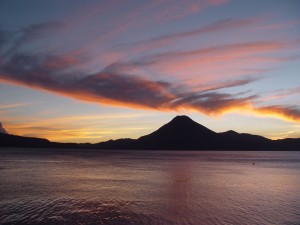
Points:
(182, 118)
(183, 124)
(180, 133)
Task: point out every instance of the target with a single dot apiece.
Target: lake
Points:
(42, 186)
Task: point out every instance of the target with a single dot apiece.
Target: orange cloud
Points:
(286, 113)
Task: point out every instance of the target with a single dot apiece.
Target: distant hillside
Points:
(182, 133)
(8, 140)
(18, 141)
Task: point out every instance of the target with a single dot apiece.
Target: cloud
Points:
(170, 10)
(111, 86)
(2, 39)
(34, 31)
(212, 103)
(216, 52)
(205, 65)
(216, 62)
(225, 84)
(288, 92)
(9, 106)
(104, 86)
(132, 18)
(281, 93)
(291, 113)
(31, 33)
(217, 2)
(221, 25)
(116, 85)
(2, 130)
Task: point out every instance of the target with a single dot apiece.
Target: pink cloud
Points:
(216, 62)
(163, 41)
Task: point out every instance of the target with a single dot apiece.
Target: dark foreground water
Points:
(149, 187)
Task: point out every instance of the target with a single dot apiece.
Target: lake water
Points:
(39, 186)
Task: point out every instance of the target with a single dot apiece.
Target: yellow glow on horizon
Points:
(86, 128)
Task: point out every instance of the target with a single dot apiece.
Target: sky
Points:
(92, 70)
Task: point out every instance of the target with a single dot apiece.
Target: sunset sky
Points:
(91, 70)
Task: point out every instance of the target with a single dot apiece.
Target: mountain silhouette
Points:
(18, 141)
(181, 133)
(184, 133)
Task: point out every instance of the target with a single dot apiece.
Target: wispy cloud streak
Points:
(9, 106)
(32, 33)
(221, 25)
(228, 51)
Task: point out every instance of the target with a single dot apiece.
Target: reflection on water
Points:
(149, 187)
